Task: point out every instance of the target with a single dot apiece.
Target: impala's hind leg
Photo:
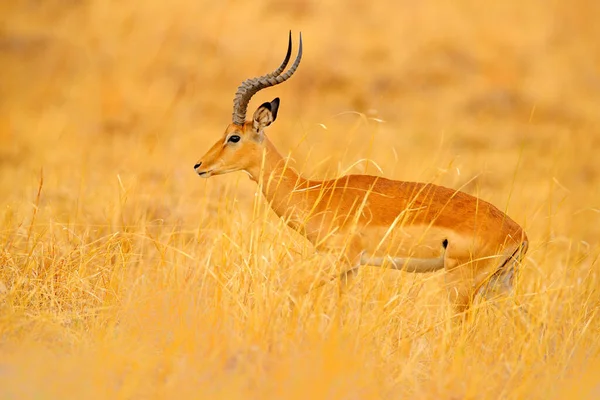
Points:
(501, 283)
(460, 290)
(459, 277)
(458, 285)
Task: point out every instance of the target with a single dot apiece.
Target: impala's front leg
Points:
(343, 256)
(348, 263)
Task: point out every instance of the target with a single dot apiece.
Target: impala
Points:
(371, 220)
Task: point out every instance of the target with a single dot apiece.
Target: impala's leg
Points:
(502, 280)
(345, 255)
(459, 277)
(348, 247)
(348, 263)
(501, 283)
(351, 265)
(460, 290)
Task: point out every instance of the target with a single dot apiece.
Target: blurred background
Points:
(112, 103)
(479, 96)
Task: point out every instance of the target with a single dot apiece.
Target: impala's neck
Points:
(278, 181)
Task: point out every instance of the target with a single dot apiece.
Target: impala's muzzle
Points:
(203, 174)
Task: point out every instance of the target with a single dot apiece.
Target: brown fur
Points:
(361, 214)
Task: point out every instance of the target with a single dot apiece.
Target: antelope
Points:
(370, 220)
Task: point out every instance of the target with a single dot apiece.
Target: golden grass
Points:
(124, 275)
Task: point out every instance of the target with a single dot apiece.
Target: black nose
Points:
(197, 165)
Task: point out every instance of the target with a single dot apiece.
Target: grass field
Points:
(124, 275)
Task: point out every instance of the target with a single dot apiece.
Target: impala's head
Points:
(241, 146)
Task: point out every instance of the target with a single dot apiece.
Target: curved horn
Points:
(250, 87)
(279, 70)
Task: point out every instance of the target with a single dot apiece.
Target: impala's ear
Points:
(265, 115)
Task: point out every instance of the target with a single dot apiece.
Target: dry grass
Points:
(126, 276)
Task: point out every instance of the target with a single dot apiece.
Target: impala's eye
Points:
(233, 139)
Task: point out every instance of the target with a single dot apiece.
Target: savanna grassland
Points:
(124, 275)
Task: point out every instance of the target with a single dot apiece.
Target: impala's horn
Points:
(250, 87)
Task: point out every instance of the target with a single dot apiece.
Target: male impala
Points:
(369, 220)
